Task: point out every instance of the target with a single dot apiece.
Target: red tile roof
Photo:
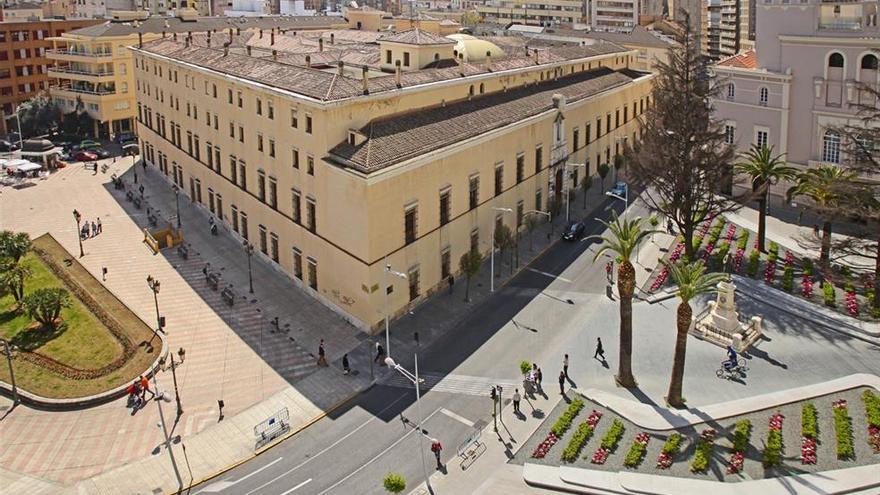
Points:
(744, 60)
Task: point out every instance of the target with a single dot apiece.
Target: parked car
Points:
(84, 156)
(101, 152)
(573, 232)
(7, 146)
(88, 143)
(619, 189)
(125, 137)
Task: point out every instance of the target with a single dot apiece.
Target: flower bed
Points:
(741, 435)
(541, 450)
(563, 423)
(770, 272)
(843, 430)
(809, 433)
(807, 286)
(581, 436)
(637, 450)
(852, 304)
(872, 417)
(609, 442)
(664, 273)
(773, 448)
(828, 294)
(669, 451)
(754, 259)
(703, 452)
(787, 278)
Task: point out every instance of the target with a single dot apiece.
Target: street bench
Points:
(91, 166)
(214, 280)
(183, 251)
(228, 295)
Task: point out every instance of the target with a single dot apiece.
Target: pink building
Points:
(802, 78)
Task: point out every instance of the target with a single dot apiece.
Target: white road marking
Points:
(257, 471)
(304, 483)
(312, 458)
(380, 454)
(460, 419)
(218, 486)
(539, 272)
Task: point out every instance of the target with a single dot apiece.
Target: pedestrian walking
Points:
(599, 350)
(135, 176)
(451, 281)
(539, 377)
(144, 164)
(516, 399)
(345, 368)
(562, 382)
(322, 360)
(380, 353)
(94, 229)
(436, 448)
(815, 230)
(565, 365)
(100, 227)
(669, 227)
(145, 387)
(609, 270)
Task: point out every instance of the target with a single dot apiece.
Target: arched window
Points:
(471, 90)
(835, 60)
(763, 96)
(831, 146)
(869, 62)
(482, 88)
(731, 91)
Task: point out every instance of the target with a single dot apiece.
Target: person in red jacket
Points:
(436, 448)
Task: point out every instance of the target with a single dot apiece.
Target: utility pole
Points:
(11, 372)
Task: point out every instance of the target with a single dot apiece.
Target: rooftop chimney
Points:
(209, 42)
(186, 42)
(309, 61)
(536, 57)
(261, 34)
(140, 40)
(320, 44)
(489, 60)
(163, 34)
(365, 79)
(397, 72)
(237, 30)
(174, 36)
(341, 66)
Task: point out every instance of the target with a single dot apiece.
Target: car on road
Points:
(101, 152)
(84, 156)
(125, 137)
(7, 146)
(88, 143)
(574, 231)
(619, 189)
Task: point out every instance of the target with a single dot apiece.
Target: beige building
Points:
(533, 12)
(92, 66)
(334, 169)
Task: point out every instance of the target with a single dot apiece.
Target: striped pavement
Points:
(453, 384)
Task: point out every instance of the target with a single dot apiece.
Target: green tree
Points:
(470, 264)
(603, 170)
(824, 185)
(78, 121)
(765, 170)
(14, 245)
(503, 240)
(394, 483)
(39, 115)
(470, 18)
(531, 222)
(12, 278)
(586, 185)
(45, 305)
(623, 238)
(692, 280)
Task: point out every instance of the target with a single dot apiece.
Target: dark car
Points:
(84, 156)
(125, 137)
(7, 147)
(574, 231)
(619, 189)
(101, 152)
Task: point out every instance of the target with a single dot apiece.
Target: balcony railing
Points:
(80, 53)
(68, 70)
(841, 23)
(99, 92)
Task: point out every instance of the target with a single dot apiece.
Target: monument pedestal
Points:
(721, 324)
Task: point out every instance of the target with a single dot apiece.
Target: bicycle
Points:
(727, 371)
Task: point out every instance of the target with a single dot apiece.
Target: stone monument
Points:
(721, 325)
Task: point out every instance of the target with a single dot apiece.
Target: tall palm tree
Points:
(824, 186)
(623, 239)
(765, 170)
(692, 280)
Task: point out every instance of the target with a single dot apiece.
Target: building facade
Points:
(24, 66)
(533, 12)
(335, 170)
(802, 80)
(614, 15)
(727, 28)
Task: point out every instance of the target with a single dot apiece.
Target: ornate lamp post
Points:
(153, 284)
(164, 364)
(249, 249)
(78, 217)
(177, 202)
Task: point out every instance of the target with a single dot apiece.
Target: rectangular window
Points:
(259, 142)
(273, 246)
(242, 172)
(499, 179)
(272, 148)
(444, 206)
(625, 114)
(259, 106)
(598, 127)
(197, 148)
(296, 205)
(240, 100)
(271, 110)
(520, 213)
(229, 96)
(729, 134)
(244, 225)
(406, 59)
(233, 169)
(474, 192)
(297, 263)
(410, 217)
(575, 139)
(761, 139)
(294, 120)
(211, 200)
(235, 218)
(617, 118)
(539, 201)
(413, 278)
(539, 158)
(189, 143)
(308, 124)
(445, 264)
(210, 155)
(273, 193)
(310, 216)
(264, 243)
(261, 186)
(232, 130)
(310, 165)
(520, 167)
(387, 56)
(217, 162)
(240, 134)
(294, 159)
(313, 274)
(608, 122)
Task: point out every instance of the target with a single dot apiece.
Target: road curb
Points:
(278, 440)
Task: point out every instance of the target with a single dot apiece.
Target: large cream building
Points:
(339, 152)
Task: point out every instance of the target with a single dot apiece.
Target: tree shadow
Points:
(7, 316)
(36, 337)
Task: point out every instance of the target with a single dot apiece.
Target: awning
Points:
(28, 167)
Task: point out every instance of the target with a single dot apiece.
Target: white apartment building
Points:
(614, 15)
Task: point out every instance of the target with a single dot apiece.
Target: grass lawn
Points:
(82, 341)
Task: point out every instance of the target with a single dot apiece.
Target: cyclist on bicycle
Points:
(731, 359)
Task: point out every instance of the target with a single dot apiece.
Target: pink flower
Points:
(807, 285)
(808, 451)
(789, 259)
(852, 304)
(642, 438)
(594, 418)
(738, 259)
(874, 438)
(708, 434)
(600, 456)
(736, 463)
(839, 404)
(776, 421)
(664, 460)
(544, 447)
(770, 272)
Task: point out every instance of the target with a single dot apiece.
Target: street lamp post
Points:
(624, 198)
(163, 365)
(177, 202)
(79, 236)
(492, 257)
(385, 273)
(158, 399)
(153, 284)
(11, 372)
(414, 378)
(18, 120)
(249, 249)
(565, 185)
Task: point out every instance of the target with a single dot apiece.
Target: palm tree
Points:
(692, 280)
(14, 245)
(823, 185)
(623, 239)
(765, 170)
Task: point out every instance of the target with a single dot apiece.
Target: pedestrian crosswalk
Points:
(454, 384)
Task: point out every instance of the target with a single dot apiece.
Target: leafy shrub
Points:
(754, 259)
(773, 447)
(872, 407)
(673, 443)
(637, 451)
(525, 367)
(809, 421)
(654, 221)
(843, 430)
(563, 423)
(581, 436)
(773, 250)
(612, 436)
(787, 278)
(741, 435)
(743, 240)
(828, 294)
(808, 266)
(394, 483)
(703, 452)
